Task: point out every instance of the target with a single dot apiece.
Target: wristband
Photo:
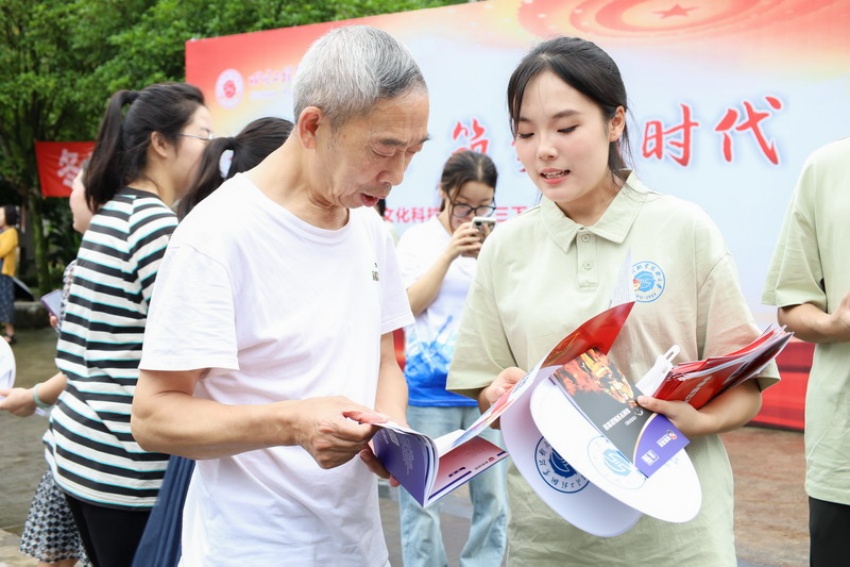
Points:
(37, 400)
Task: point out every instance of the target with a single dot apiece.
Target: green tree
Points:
(49, 52)
(61, 60)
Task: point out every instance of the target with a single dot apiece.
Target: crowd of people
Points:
(222, 327)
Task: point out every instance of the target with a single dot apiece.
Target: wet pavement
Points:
(770, 502)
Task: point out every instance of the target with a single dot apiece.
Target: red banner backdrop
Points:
(58, 165)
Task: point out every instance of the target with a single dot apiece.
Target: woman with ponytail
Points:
(146, 153)
(247, 149)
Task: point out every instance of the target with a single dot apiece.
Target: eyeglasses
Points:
(208, 138)
(462, 210)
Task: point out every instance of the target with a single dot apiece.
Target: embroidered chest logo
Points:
(375, 276)
(649, 281)
(557, 472)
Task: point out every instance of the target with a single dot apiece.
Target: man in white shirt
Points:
(272, 320)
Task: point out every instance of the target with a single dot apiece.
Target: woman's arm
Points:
(21, 401)
(810, 323)
(423, 292)
(728, 411)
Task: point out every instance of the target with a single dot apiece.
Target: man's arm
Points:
(811, 324)
(167, 418)
(391, 399)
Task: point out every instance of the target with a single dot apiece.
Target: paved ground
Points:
(770, 507)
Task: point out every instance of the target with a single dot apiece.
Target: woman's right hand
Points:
(466, 241)
(504, 383)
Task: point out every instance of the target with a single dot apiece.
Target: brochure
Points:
(560, 438)
(431, 468)
(597, 388)
(701, 381)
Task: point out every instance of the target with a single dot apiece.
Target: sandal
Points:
(10, 339)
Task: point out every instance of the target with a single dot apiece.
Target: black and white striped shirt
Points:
(89, 443)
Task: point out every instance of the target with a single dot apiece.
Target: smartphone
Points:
(53, 301)
(484, 225)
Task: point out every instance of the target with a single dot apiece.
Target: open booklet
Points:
(580, 367)
(431, 468)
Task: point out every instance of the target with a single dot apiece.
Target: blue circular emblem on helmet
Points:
(557, 472)
(649, 281)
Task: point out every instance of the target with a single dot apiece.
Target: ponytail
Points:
(208, 176)
(250, 146)
(120, 151)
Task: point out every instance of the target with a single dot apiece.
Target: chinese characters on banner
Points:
(411, 215)
(58, 165)
(678, 139)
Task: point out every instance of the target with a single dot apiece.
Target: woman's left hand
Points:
(728, 411)
(19, 401)
(683, 415)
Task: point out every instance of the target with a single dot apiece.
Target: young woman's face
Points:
(2, 216)
(472, 194)
(190, 146)
(563, 142)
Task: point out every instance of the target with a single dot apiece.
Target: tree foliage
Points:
(61, 60)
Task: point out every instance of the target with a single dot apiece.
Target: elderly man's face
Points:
(369, 154)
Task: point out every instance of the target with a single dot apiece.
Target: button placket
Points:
(588, 275)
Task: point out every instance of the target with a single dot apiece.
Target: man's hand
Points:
(331, 438)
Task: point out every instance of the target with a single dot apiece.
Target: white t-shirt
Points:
(418, 250)
(277, 309)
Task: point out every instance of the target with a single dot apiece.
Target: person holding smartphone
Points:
(438, 263)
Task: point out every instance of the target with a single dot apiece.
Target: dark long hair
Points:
(465, 166)
(250, 146)
(11, 212)
(120, 151)
(584, 66)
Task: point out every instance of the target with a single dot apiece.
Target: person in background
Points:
(545, 272)
(273, 322)
(50, 534)
(9, 261)
(160, 543)
(438, 262)
(381, 209)
(809, 281)
(146, 153)
(245, 150)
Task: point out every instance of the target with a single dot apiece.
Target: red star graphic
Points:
(676, 10)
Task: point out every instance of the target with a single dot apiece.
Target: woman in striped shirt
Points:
(143, 160)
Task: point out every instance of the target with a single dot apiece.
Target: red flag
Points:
(58, 165)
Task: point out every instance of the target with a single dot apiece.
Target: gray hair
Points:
(348, 69)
